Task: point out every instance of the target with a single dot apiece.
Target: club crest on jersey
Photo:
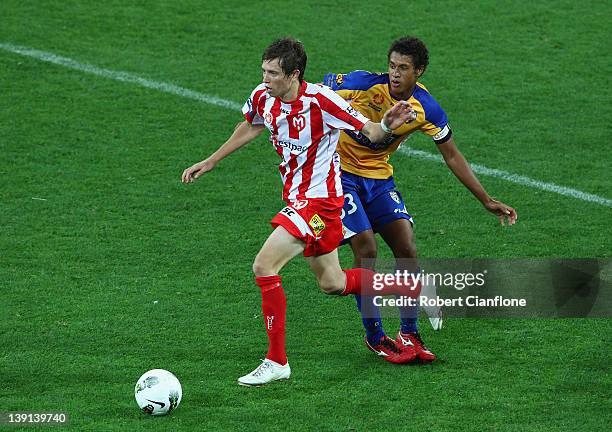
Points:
(378, 99)
(268, 117)
(339, 79)
(300, 204)
(395, 197)
(299, 122)
(317, 224)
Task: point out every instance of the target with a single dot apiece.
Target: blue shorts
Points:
(370, 204)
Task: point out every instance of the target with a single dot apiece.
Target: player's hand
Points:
(504, 212)
(192, 173)
(400, 113)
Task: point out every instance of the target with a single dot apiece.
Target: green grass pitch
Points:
(96, 227)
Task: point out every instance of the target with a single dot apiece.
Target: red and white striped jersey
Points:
(305, 134)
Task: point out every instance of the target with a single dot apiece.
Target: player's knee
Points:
(261, 268)
(406, 249)
(365, 249)
(366, 252)
(330, 287)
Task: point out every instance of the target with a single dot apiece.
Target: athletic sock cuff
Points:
(267, 283)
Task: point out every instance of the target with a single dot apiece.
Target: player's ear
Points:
(420, 72)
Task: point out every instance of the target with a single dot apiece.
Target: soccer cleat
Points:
(391, 352)
(428, 292)
(436, 323)
(265, 373)
(414, 340)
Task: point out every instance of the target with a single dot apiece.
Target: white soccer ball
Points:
(158, 392)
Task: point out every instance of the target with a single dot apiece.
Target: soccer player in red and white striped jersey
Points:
(305, 132)
(304, 121)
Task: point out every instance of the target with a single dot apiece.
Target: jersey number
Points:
(351, 202)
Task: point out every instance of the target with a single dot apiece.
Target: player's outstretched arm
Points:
(459, 166)
(243, 134)
(400, 113)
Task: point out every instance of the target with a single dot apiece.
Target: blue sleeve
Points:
(357, 80)
(434, 113)
(436, 121)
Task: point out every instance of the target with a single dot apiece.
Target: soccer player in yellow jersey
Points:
(372, 203)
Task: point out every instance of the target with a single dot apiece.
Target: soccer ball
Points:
(158, 392)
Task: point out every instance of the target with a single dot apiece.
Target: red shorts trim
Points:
(315, 221)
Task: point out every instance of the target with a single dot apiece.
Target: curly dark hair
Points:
(413, 47)
(290, 53)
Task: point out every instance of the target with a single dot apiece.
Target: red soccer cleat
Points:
(414, 340)
(391, 352)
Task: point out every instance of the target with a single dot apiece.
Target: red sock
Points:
(274, 306)
(361, 281)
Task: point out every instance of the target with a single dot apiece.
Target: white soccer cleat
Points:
(436, 323)
(265, 373)
(433, 312)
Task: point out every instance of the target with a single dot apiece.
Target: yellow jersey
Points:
(369, 94)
